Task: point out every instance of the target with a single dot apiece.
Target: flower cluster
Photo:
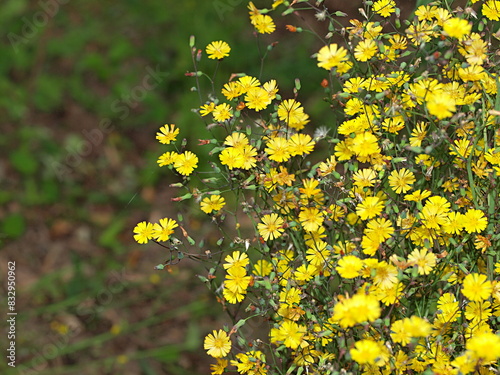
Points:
(374, 244)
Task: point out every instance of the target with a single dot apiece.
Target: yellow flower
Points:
(236, 259)
(218, 50)
(457, 27)
(424, 260)
(365, 178)
(401, 181)
(369, 208)
(358, 309)
(219, 367)
(263, 23)
(252, 362)
(217, 344)
(231, 90)
(349, 267)
(418, 134)
(365, 50)
(185, 163)
(300, 144)
(365, 144)
(206, 109)
(212, 203)
(231, 157)
(441, 105)
(366, 352)
(290, 111)
(278, 149)
(491, 10)
(384, 7)
(143, 232)
(257, 98)
(290, 333)
(163, 229)
(379, 229)
(167, 158)
(476, 287)
(167, 134)
(484, 346)
(331, 56)
(262, 268)
(454, 224)
(222, 112)
(311, 219)
(236, 140)
(247, 82)
(233, 296)
(474, 221)
(237, 280)
(417, 196)
(271, 227)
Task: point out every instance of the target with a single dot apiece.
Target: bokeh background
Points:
(85, 85)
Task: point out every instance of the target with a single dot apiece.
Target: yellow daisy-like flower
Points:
(331, 56)
(212, 203)
(311, 219)
(262, 268)
(236, 259)
(167, 158)
(456, 27)
(218, 50)
(401, 181)
(278, 149)
(491, 10)
(263, 23)
(167, 134)
(441, 105)
(369, 208)
(219, 367)
(237, 280)
(366, 352)
(484, 346)
(231, 90)
(257, 98)
(474, 221)
(185, 163)
(217, 344)
(300, 144)
(247, 82)
(424, 260)
(379, 229)
(236, 140)
(271, 227)
(143, 232)
(163, 229)
(365, 144)
(222, 112)
(365, 50)
(206, 109)
(349, 267)
(476, 287)
(384, 7)
(417, 196)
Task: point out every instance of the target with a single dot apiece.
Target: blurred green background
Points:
(85, 86)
